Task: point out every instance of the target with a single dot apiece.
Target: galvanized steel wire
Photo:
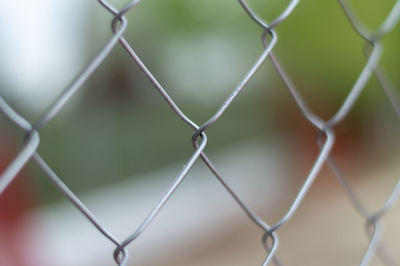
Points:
(325, 138)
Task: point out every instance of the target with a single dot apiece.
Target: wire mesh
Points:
(325, 138)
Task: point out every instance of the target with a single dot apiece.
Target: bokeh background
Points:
(117, 132)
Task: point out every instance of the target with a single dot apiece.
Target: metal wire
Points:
(325, 138)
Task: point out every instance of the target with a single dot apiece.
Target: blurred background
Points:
(118, 145)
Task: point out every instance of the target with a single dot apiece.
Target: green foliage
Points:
(125, 128)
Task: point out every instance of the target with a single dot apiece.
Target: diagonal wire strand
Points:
(70, 90)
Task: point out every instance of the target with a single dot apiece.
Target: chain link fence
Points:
(325, 137)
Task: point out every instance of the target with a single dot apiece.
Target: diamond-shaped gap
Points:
(112, 128)
(101, 126)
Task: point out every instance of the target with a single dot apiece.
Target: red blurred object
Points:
(15, 201)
